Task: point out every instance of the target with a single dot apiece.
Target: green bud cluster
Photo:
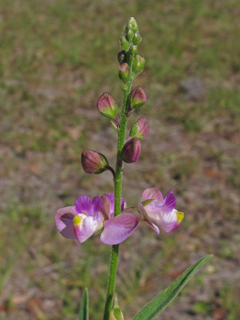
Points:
(128, 56)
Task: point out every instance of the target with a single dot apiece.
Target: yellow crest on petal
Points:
(77, 221)
(180, 216)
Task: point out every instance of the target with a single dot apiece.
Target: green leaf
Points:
(84, 308)
(162, 300)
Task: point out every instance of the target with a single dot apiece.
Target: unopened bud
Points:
(107, 106)
(139, 65)
(132, 25)
(131, 150)
(130, 35)
(122, 57)
(115, 312)
(124, 44)
(94, 162)
(136, 39)
(138, 98)
(124, 72)
(140, 129)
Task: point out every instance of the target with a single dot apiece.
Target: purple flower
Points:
(159, 210)
(82, 220)
(88, 217)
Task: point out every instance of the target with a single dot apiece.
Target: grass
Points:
(56, 59)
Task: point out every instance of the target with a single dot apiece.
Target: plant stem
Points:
(118, 194)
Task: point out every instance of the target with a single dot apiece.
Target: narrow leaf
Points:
(84, 308)
(162, 300)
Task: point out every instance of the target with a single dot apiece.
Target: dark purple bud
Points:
(122, 56)
(131, 150)
(124, 72)
(107, 106)
(138, 98)
(140, 129)
(94, 162)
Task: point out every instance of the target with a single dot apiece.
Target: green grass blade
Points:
(84, 308)
(162, 300)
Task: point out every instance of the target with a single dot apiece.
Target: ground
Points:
(57, 58)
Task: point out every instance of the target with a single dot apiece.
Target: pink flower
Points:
(88, 217)
(159, 210)
(82, 220)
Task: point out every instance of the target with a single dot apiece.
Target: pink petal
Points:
(169, 203)
(96, 204)
(84, 229)
(169, 221)
(147, 220)
(118, 229)
(111, 198)
(152, 193)
(84, 205)
(106, 206)
(64, 221)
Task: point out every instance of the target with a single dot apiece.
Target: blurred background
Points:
(57, 58)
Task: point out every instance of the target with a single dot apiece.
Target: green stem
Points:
(118, 194)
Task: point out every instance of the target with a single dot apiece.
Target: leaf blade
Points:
(84, 306)
(162, 300)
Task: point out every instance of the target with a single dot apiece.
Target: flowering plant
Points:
(109, 215)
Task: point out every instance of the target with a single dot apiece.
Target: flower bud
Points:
(130, 35)
(136, 39)
(132, 25)
(124, 72)
(131, 150)
(115, 312)
(94, 162)
(107, 106)
(124, 44)
(138, 98)
(122, 57)
(138, 68)
(140, 129)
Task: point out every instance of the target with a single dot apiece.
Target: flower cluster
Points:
(87, 217)
(99, 216)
